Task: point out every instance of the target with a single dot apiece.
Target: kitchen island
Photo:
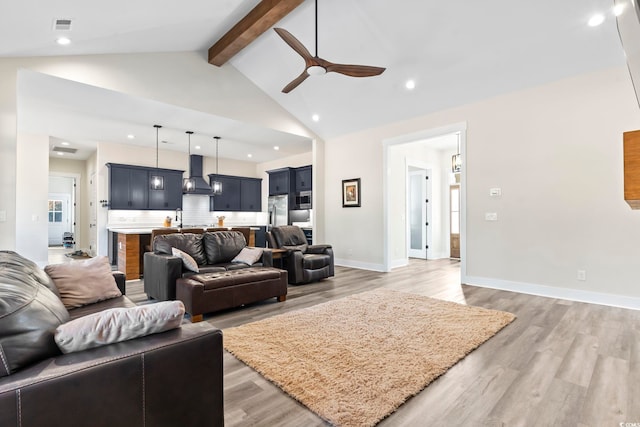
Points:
(128, 245)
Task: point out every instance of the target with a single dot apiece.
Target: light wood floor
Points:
(560, 363)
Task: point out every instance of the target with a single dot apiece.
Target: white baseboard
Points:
(402, 262)
(578, 295)
(358, 264)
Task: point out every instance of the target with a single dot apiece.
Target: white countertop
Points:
(147, 230)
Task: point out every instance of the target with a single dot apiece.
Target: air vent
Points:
(65, 150)
(62, 24)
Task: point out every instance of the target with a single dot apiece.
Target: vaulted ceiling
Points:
(456, 52)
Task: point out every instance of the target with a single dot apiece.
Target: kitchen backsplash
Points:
(195, 211)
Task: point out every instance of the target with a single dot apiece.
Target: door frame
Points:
(461, 128)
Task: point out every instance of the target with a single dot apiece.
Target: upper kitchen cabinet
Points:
(130, 188)
(280, 181)
(239, 193)
(169, 198)
(229, 200)
(303, 178)
(251, 194)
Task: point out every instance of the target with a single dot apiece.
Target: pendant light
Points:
(216, 185)
(157, 180)
(456, 161)
(189, 184)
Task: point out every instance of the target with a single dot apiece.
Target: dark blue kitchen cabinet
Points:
(303, 178)
(130, 188)
(251, 194)
(280, 181)
(239, 194)
(229, 200)
(171, 196)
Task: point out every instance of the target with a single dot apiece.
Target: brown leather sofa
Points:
(147, 381)
(305, 263)
(212, 251)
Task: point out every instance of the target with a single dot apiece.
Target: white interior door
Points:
(419, 206)
(59, 217)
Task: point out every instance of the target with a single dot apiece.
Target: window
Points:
(55, 210)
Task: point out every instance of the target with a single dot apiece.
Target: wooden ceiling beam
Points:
(260, 19)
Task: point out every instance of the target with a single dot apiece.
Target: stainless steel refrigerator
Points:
(278, 210)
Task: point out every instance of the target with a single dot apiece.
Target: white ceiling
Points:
(457, 51)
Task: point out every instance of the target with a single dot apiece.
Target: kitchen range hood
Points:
(195, 173)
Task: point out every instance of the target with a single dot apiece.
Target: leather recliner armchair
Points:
(304, 263)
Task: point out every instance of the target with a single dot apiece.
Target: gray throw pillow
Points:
(117, 325)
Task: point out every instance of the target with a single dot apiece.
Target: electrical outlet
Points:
(582, 275)
(491, 216)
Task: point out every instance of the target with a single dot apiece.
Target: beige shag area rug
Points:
(355, 360)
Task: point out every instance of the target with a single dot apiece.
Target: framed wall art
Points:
(351, 193)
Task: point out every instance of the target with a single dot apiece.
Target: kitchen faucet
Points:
(179, 215)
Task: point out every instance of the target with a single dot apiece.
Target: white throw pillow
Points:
(187, 260)
(118, 324)
(84, 282)
(248, 256)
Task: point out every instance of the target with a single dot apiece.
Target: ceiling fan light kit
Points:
(315, 66)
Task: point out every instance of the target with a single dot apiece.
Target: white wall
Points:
(184, 79)
(556, 152)
(32, 176)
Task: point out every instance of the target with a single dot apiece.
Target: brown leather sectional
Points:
(146, 381)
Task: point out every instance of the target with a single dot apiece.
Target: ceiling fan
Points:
(314, 65)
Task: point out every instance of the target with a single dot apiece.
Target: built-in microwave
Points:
(303, 200)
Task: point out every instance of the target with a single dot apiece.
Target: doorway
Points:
(61, 212)
(442, 176)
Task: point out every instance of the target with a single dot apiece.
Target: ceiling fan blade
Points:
(302, 77)
(294, 43)
(355, 70)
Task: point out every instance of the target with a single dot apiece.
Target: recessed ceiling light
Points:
(249, 155)
(63, 41)
(60, 154)
(596, 20)
(64, 143)
(618, 9)
(315, 118)
(410, 84)
(131, 136)
(276, 148)
(197, 147)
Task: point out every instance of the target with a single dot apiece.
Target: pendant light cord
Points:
(217, 138)
(316, 28)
